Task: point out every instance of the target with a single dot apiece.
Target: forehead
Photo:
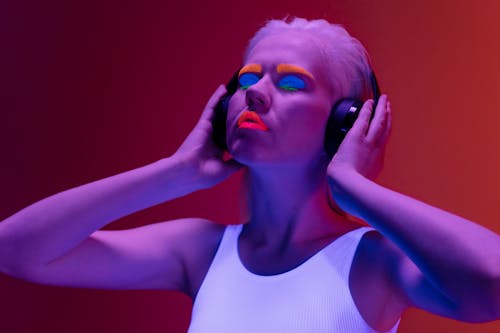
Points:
(296, 48)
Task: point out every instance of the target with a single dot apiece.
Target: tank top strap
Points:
(340, 253)
(228, 244)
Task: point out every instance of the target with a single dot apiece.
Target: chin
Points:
(250, 155)
(259, 157)
(249, 147)
(256, 150)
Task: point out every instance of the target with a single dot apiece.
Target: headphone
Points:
(342, 116)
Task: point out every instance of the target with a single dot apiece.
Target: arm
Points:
(65, 225)
(441, 262)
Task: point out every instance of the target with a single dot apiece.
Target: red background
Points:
(92, 88)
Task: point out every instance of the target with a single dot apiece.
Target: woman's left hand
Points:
(362, 150)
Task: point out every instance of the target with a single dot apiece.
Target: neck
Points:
(290, 204)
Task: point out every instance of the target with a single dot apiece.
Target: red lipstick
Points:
(250, 119)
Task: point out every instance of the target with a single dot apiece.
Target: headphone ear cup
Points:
(220, 113)
(219, 122)
(340, 121)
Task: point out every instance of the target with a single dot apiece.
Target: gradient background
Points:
(92, 88)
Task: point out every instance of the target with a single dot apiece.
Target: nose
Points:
(257, 96)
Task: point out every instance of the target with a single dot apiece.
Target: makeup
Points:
(249, 75)
(293, 69)
(247, 79)
(291, 82)
(251, 120)
(250, 68)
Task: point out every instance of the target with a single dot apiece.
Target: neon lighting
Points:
(251, 120)
(288, 68)
(247, 79)
(291, 83)
(248, 75)
(251, 68)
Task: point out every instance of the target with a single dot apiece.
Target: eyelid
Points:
(245, 80)
(293, 69)
(292, 82)
(251, 73)
(251, 68)
(287, 81)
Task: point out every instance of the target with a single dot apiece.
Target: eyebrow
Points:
(250, 68)
(288, 68)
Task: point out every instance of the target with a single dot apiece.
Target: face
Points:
(279, 113)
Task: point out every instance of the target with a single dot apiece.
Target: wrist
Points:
(188, 171)
(344, 183)
(178, 173)
(340, 178)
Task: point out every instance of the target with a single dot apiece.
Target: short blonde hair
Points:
(348, 63)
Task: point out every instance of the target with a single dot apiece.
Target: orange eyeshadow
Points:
(287, 68)
(251, 68)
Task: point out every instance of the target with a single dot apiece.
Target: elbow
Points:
(493, 288)
(7, 265)
(20, 269)
(488, 287)
(492, 278)
(13, 268)
(11, 265)
(13, 262)
(495, 292)
(482, 303)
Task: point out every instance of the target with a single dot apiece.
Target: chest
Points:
(339, 273)
(266, 261)
(319, 288)
(311, 297)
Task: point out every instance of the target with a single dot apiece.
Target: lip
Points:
(251, 120)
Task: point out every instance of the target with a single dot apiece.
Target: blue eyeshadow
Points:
(248, 79)
(292, 83)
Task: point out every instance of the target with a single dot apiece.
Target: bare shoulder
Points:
(371, 282)
(194, 233)
(198, 240)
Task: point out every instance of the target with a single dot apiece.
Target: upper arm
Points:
(413, 289)
(147, 257)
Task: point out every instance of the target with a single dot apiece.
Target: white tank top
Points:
(311, 298)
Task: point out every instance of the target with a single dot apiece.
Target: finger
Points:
(212, 102)
(388, 127)
(379, 122)
(361, 124)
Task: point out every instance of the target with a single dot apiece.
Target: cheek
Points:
(310, 114)
(305, 124)
(236, 105)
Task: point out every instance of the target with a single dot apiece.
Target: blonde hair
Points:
(348, 63)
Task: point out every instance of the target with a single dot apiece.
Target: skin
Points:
(418, 256)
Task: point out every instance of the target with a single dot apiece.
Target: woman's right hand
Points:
(200, 153)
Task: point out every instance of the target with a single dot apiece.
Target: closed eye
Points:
(247, 79)
(291, 83)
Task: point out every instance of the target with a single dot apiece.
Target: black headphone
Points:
(340, 121)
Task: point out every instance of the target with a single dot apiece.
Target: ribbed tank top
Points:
(314, 297)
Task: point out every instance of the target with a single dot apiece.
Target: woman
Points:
(301, 263)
